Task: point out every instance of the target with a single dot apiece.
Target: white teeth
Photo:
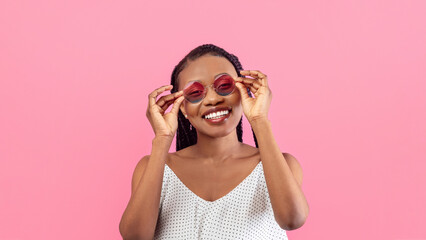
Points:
(218, 114)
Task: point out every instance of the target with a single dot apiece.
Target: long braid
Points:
(186, 137)
(240, 130)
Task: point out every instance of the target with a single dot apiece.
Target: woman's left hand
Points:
(257, 107)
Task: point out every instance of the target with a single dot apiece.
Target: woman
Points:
(214, 186)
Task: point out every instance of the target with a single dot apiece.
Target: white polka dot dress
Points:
(244, 213)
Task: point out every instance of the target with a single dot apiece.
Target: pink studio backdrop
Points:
(348, 79)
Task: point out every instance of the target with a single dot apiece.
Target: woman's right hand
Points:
(164, 124)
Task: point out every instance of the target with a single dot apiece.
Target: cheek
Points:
(236, 104)
(236, 98)
(190, 108)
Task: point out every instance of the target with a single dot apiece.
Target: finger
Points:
(263, 79)
(170, 102)
(261, 76)
(167, 105)
(255, 84)
(243, 90)
(255, 74)
(167, 98)
(153, 95)
(239, 79)
(176, 105)
(160, 90)
(253, 89)
(251, 82)
(244, 79)
(252, 73)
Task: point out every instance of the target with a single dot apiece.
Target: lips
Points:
(217, 115)
(219, 119)
(218, 111)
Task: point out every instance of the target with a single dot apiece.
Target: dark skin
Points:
(218, 162)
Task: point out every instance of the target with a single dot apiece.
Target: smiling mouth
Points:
(217, 114)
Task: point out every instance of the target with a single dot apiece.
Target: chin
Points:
(218, 131)
(219, 134)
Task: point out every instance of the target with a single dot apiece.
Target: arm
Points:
(283, 173)
(140, 217)
(283, 176)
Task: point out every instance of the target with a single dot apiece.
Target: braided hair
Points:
(187, 135)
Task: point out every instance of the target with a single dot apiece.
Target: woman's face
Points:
(206, 69)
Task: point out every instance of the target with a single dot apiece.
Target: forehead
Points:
(204, 69)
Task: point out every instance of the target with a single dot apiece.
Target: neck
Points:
(216, 149)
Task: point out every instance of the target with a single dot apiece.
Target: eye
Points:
(194, 89)
(224, 82)
(194, 93)
(224, 86)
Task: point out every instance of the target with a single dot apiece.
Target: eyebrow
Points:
(215, 77)
(221, 74)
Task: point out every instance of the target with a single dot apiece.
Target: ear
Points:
(182, 109)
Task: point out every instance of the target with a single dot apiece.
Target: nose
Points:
(212, 98)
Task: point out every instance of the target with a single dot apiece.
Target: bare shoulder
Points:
(295, 167)
(141, 165)
(187, 152)
(139, 171)
(249, 150)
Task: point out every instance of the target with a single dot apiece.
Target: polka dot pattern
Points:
(244, 213)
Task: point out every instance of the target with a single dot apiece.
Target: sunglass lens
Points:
(224, 85)
(194, 92)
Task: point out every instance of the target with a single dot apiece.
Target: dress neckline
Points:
(221, 198)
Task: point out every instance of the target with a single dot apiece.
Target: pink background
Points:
(349, 103)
